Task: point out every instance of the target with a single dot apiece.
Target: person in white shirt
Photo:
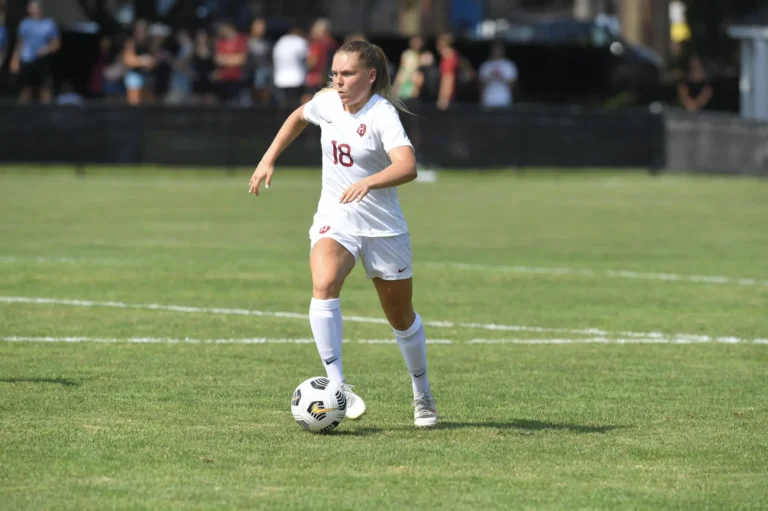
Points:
(497, 75)
(366, 154)
(289, 57)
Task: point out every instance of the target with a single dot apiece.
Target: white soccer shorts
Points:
(385, 257)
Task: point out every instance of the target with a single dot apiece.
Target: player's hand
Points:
(262, 173)
(355, 192)
(15, 66)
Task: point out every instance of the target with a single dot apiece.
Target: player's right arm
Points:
(292, 128)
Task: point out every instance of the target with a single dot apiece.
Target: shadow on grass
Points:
(362, 431)
(521, 426)
(530, 426)
(58, 381)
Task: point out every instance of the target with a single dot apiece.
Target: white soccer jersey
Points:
(354, 147)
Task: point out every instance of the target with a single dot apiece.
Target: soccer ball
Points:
(319, 405)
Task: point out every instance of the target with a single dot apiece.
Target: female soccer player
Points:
(366, 154)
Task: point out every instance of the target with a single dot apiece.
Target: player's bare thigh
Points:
(396, 298)
(330, 264)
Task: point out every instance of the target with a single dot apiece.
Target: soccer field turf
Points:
(600, 340)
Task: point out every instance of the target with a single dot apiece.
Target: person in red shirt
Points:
(452, 64)
(321, 47)
(231, 54)
(449, 70)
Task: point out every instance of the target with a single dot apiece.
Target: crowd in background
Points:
(219, 64)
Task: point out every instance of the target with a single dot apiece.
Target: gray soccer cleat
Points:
(425, 413)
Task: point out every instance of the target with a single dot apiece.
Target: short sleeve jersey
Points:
(355, 146)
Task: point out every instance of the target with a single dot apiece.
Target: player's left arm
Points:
(401, 171)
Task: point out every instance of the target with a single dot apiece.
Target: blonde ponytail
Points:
(383, 85)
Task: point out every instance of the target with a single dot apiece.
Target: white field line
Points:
(187, 340)
(62, 260)
(263, 340)
(700, 279)
(596, 332)
(157, 340)
(626, 274)
(632, 340)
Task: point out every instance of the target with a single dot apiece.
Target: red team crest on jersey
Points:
(361, 130)
(325, 229)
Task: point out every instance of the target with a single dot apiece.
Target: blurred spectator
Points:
(695, 92)
(679, 31)
(409, 64)
(181, 66)
(202, 69)
(139, 62)
(159, 36)
(289, 59)
(260, 61)
(231, 54)
(449, 70)
(426, 79)
(497, 76)
(68, 96)
(108, 73)
(3, 37)
(38, 41)
(355, 36)
(319, 58)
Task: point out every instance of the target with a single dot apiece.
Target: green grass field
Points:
(603, 345)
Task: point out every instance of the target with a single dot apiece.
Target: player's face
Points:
(351, 79)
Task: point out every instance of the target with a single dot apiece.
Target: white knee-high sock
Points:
(413, 346)
(325, 319)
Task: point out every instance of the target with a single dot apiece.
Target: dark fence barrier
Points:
(221, 136)
(716, 143)
(462, 137)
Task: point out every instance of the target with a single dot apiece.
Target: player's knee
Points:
(402, 318)
(325, 288)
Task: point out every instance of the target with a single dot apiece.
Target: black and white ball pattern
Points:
(319, 405)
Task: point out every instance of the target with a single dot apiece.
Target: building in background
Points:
(753, 84)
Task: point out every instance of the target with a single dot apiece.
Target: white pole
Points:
(760, 79)
(745, 81)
